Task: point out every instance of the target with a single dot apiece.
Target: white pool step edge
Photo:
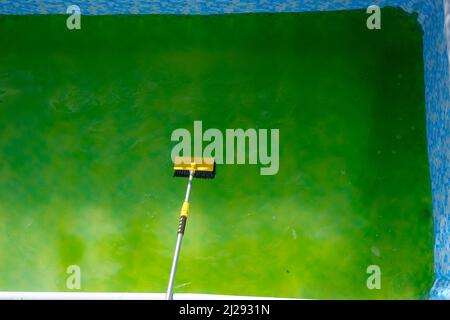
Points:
(15, 295)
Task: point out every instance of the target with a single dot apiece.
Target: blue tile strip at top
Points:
(437, 79)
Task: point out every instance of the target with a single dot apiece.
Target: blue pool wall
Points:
(431, 14)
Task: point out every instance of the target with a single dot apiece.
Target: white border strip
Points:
(12, 295)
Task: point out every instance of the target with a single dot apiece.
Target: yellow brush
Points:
(204, 168)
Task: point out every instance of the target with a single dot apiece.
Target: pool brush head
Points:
(204, 168)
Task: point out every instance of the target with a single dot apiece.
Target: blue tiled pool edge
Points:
(431, 15)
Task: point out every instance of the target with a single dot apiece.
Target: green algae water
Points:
(86, 118)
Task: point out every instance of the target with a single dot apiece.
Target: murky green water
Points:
(86, 178)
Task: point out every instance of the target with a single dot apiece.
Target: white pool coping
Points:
(16, 295)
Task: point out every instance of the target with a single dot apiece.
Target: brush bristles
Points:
(197, 174)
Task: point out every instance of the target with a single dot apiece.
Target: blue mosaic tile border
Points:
(92, 7)
(431, 15)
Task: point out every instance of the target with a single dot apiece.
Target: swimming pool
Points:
(128, 245)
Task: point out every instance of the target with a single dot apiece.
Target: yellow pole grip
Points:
(184, 209)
